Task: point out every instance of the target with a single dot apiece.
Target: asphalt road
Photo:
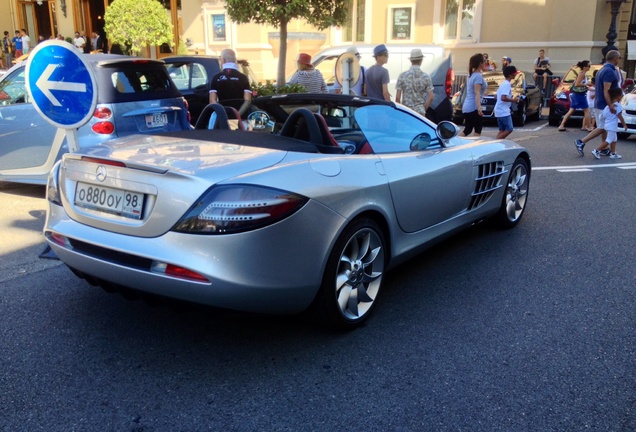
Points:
(531, 329)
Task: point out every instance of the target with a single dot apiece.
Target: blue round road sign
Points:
(61, 84)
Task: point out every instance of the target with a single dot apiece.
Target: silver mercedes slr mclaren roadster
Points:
(302, 205)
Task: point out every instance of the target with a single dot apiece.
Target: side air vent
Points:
(487, 182)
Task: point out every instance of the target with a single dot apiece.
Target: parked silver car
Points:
(133, 96)
(310, 216)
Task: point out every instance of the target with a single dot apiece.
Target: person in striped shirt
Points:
(307, 76)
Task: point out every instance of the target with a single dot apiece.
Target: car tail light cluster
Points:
(238, 208)
(104, 126)
(448, 84)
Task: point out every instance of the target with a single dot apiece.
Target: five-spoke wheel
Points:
(516, 194)
(353, 276)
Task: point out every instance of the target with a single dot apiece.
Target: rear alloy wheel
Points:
(515, 196)
(353, 276)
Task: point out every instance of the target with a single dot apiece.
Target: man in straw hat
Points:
(414, 87)
(377, 77)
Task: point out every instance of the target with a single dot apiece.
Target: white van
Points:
(437, 63)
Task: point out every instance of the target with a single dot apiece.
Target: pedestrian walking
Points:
(591, 94)
(578, 96)
(475, 89)
(26, 42)
(414, 87)
(87, 43)
(378, 76)
(606, 79)
(79, 42)
(611, 118)
(17, 44)
(97, 42)
(504, 102)
(7, 50)
(231, 87)
(307, 76)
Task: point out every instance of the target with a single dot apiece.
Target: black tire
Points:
(515, 196)
(353, 277)
(553, 119)
(520, 117)
(623, 135)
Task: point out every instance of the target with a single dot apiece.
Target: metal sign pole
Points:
(346, 76)
(72, 140)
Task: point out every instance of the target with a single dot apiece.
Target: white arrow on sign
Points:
(46, 86)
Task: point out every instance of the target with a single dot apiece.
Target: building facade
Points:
(568, 30)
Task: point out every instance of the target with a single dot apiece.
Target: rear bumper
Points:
(267, 270)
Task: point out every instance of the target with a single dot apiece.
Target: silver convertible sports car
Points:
(303, 205)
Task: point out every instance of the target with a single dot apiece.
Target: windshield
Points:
(13, 88)
(571, 75)
(390, 130)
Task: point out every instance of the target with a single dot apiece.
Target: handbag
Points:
(578, 89)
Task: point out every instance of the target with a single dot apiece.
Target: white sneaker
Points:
(615, 156)
(596, 154)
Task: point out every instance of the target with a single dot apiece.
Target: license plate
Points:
(156, 120)
(109, 200)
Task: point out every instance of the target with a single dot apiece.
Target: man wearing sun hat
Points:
(377, 79)
(358, 88)
(414, 87)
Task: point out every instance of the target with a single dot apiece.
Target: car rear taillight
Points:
(238, 208)
(448, 84)
(103, 113)
(103, 128)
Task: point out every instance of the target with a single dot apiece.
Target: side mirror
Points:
(446, 130)
(556, 82)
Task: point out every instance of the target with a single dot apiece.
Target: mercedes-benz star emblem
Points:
(101, 173)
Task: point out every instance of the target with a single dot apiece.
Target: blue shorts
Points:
(504, 123)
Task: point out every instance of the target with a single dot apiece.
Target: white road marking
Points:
(629, 165)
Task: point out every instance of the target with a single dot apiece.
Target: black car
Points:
(192, 75)
(529, 105)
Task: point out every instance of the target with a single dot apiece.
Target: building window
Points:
(401, 23)
(459, 19)
(353, 30)
(218, 25)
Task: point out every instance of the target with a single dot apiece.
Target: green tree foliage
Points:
(137, 23)
(278, 13)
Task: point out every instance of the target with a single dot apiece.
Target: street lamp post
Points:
(612, 35)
